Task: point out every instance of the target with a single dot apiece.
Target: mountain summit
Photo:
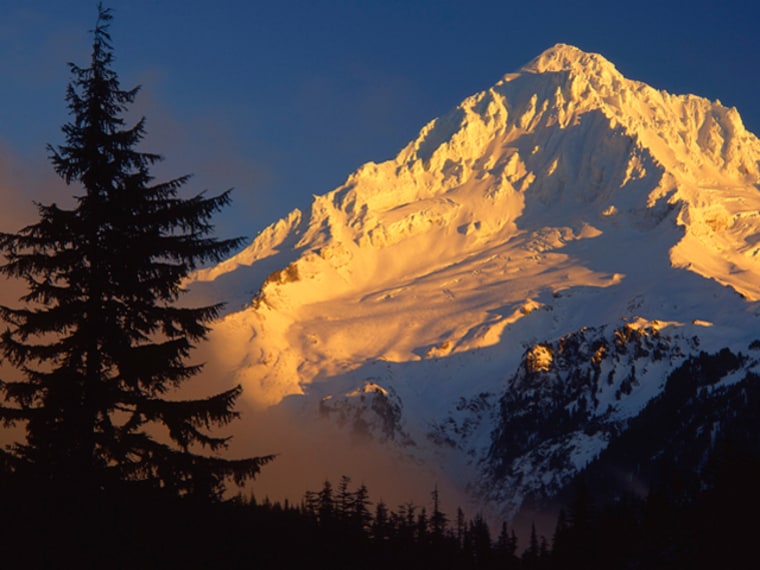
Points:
(419, 298)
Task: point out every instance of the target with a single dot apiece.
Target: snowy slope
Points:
(565, 196)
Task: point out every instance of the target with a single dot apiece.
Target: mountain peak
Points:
(512, 188)
(532, 219)
(564, 57)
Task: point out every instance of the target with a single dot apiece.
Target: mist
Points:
(311, 452)
(310, 449)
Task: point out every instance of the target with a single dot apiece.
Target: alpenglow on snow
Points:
(431, 294)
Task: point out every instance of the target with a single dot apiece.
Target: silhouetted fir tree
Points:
(481, 541)
(382, 529)
(310, 504)
(101, 340)
(560, 541)
(531, 556)
(404, 521)
(326, 504)
(438, 520)
(460, 526)
(422, 526)
(506, 548)
(361, 517)
(544, 554)
(343, 499)
(580, 544)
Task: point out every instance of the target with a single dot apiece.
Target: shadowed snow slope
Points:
(565, 196)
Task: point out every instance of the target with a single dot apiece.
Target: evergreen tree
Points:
(404, 520)
(101, 340)
(506, 548)
(326, 504)
(438, 519)
(481, 540)
(560, 542)
(460, 526)
(310, 504)
(381, 525)
(422, 526)
(344, 498)
(361, 515)
(532, 554)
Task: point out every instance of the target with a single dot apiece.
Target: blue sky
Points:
(283, 99)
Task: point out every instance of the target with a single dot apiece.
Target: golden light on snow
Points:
(505, 217)
(539, 358)
(566, 202)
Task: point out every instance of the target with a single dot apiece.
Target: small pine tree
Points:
(326, 504)
(361, 515)
(310, 504)
(506, 547)
(381, 526)
(560, 542)
(481, 540)
(532, 554)
(404, 520)
(344, 498)
(101, 340)
(460, 527)
(438, 519)
(423, 527)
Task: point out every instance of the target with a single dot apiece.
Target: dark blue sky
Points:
(283, 99)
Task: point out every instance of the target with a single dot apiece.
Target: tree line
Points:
(340, 526)
(672, 526)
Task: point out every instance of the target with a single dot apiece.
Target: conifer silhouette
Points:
(101, 339)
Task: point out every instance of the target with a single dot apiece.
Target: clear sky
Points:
(282, 99)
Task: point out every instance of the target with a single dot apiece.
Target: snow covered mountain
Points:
(500, 299)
